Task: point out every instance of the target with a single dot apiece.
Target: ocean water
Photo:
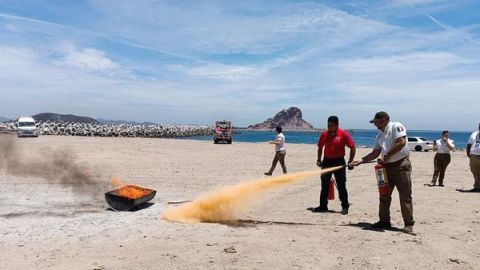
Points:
(361, 137)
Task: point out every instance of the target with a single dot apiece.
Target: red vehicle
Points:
(223, 132)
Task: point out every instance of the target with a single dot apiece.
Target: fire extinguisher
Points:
(331, 189)
(382, 180)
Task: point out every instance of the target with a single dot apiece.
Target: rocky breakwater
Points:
(121, 130)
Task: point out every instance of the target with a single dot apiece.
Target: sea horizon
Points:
(362, 137)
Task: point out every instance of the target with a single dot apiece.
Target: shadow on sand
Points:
(368, 227)
(49, 213)
(468, 190)
(134, 209)
(311, 209)
(254, 223)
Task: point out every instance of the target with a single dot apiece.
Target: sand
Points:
(45, 225)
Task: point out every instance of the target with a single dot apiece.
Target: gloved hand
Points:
(319, 163)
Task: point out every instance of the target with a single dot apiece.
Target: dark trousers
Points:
(440, 163)
(399, 176)
(279, 156)
(340, 178)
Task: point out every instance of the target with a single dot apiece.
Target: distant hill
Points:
(3, 119)
(123, 122)
(289, 119)
(54, 117)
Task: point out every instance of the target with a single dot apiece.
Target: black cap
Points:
(380, 115)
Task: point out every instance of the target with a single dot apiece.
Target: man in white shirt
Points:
(442, 158)
(473, 153)
(391, 146)
(280, 152)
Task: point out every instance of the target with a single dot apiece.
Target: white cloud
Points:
(88, 59)
(191, 62)
(217, 28)
(407, 63)
(416, 2)
(218, 71)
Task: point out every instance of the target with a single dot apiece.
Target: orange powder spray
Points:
(222, 204)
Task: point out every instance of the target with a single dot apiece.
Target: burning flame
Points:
(129, 191)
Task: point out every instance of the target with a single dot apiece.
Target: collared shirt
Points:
(280, 138)
(442, 147)
(386, 140)
(335, 145)
(474, 140)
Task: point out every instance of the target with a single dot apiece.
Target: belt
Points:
(396, 163)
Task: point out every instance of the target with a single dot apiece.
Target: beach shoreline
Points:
(45, 224)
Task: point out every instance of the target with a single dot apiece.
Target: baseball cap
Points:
(380, 115)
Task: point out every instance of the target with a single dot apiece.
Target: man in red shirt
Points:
(333, 141)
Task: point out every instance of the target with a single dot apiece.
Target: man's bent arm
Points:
(319, 153)
(373, 155)
(399, 144)
(353, 151)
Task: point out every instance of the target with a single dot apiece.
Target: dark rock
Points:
(230, 250)
(455, 260)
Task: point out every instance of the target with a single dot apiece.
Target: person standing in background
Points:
(280, 152)
(442, 158)
(473, 153)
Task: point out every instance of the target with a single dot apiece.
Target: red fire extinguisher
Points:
(331, 190)
(382, 180)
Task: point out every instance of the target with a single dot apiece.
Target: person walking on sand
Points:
(473, 153)
(391, 145)
(280, 151)
(333, 142)
(442, 158)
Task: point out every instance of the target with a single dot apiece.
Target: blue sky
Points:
(198, 61)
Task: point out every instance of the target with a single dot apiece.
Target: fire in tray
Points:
(128, 197)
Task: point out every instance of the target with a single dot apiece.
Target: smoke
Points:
(55, 166)
(222, 205)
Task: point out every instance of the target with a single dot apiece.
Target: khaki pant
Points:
(440, 164)
(475, 168)
(399, 176)
(279, 156)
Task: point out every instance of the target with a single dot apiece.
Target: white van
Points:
(26, 127)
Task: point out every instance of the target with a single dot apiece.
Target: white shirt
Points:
(442, 147)
(386, 140)
(474, 140)
(281, 146)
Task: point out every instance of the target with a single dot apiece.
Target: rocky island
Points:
(289, 119)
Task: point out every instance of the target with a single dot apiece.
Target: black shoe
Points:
(268, 174)
(319, 209)
(382, 225)
(344, 211)
(440, 185)
(409, 230)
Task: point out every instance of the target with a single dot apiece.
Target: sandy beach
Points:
(45, 224)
